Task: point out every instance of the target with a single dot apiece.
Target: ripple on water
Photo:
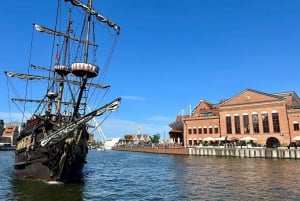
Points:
(113, 175)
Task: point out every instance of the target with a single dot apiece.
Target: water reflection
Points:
(138, 176)
(25, 189)
(212, 178)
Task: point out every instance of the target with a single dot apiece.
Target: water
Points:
(114, 175)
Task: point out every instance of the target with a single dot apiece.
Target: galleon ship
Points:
(53, 143)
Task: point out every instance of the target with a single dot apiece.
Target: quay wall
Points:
(279, 153)
(155, 150)
(247, 152)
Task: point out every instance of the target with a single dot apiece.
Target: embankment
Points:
(155, 150)
(278, 153)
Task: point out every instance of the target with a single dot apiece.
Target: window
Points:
(246, 123)
(296, 126)
(237, 124)
(265, 122)
(205, 130)
(194, 131)
(189, 130)
(199, 130)
(216, 129)
(228, 125)
(205, 114)
(255, 123)
(190, 142)
(210, 130)
(195, 142)
(275, 119)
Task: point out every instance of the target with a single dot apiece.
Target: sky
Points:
(172, 53)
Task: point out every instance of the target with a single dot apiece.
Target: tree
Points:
(128, 138)
(154, 139)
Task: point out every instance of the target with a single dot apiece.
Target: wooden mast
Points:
(85, 77)
(61, 83)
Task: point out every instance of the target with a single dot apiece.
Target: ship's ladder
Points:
(82, 110)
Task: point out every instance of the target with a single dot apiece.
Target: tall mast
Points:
(60, 70)
(85, 77)
(84, 69)
(86, 52)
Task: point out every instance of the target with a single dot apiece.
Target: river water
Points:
(114, 175)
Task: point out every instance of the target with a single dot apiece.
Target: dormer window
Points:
(205, 114)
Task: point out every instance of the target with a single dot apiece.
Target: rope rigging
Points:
(93, 95)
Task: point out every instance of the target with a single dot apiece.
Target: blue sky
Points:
(173, 53)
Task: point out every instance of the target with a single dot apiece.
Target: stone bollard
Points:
(287, 154)
(242, 153)
(297, 153)
(237, 152)
(274, 153)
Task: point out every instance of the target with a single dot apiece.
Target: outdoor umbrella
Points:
(208, 139)
(247, 138)
(297, 138)
(221, 138)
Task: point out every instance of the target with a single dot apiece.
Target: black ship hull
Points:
(55, 150)
(60, 161)
(42, 164)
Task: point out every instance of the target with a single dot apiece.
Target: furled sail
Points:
(57, 33)
(41, 68)
(41, 101)
(63, 132)
(100, 17)
(38, 77)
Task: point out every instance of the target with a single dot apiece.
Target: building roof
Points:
(247, 98)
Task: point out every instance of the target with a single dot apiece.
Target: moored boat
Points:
(53, 143)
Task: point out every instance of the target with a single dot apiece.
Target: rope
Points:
(106, 65)
(9, 108)
(101, 122)
(104, 72)
(27, 81)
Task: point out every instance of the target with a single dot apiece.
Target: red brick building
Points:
(269, 119)
(9, 134)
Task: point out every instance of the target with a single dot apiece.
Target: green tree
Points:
(154, 139)
(128, 138)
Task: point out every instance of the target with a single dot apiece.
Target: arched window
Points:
(265, 122)
(216, 129)
(275, 120)
(246, 123)
(255, 122)
(296, 125)
(189, 130)
(237, 124)
(228, 124)
(194, 130)
(199, 130)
